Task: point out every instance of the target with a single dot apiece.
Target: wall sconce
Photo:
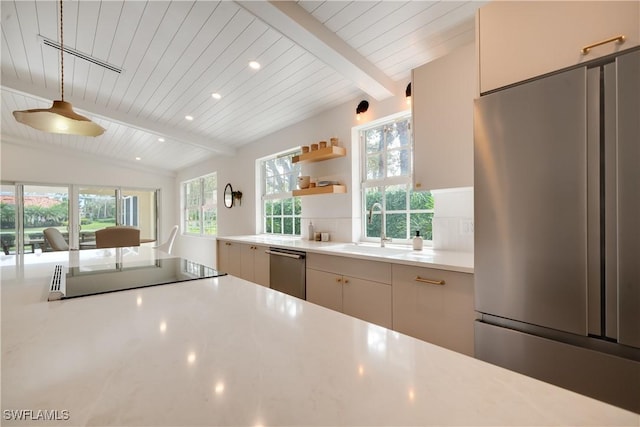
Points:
(407, 93)
(231, 197)
(362, 108)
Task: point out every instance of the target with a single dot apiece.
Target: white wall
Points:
(453, 227)
(26, 164)
(333, 213)
(338, 214)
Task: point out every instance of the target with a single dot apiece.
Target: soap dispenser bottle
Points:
(417, 241)
(311, 231)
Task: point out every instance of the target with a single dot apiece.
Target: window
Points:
(200, 206)
(281, 212)
(387, 152)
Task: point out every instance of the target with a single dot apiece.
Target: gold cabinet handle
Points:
(346, 280)
(227, 243)
(338, 279)
(429, 281)
(620, 39)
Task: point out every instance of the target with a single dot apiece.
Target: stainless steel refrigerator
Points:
(557, 234)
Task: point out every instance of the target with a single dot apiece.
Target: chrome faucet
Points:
(383, 235)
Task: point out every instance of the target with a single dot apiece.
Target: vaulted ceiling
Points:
(138, 68)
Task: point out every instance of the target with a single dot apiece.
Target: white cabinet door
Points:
(324, 289)
(442, 107)
(261, 266)
(519, 40)
(246, 262)
(254, 264)
(229, 255)
(440, 314)
(367, 300)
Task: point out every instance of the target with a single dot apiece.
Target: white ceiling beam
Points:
(295, 23)
(93, 110)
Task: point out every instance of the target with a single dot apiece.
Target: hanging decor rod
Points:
(54, 44)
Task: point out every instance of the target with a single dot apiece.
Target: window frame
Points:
(201, 206)
(282, 196)
(386, 182)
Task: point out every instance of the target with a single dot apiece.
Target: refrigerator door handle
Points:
(594, 281)
(610, 220)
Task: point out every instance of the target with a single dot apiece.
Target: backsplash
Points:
(452, 221)
(340, 229)
(453, 227)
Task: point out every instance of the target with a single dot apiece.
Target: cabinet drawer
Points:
(442, 314)
(362, 269)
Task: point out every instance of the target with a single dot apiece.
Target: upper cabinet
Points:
(442, 107)
(519, 40)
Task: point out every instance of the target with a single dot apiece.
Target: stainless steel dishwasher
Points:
(287, 271)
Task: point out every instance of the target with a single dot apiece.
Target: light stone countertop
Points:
(225, 351)
(397, 254)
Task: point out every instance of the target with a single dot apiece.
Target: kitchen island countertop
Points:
(224, 351)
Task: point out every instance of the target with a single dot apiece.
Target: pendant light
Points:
(60, 118)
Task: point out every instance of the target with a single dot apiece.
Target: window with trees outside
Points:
(200, 206)
(387, 151)
(281, 212)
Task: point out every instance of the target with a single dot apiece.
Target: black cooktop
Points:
(91, 280)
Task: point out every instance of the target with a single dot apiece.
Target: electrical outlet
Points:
(466, 226)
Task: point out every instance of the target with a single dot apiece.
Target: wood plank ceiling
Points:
(174, 55)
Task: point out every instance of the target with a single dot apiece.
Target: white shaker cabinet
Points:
(519, 40)
(229, 258)
(254, 264)
(433, 305)
(355, 287)
(442, 109)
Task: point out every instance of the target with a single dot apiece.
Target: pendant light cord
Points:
(61, 54)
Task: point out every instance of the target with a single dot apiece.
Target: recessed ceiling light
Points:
(254, 64)
(188, 117)
(216, 95)
(161, 139)
(138, 158)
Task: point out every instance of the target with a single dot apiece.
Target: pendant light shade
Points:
(60, 118)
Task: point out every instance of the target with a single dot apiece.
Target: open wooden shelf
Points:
(321, 154)
(329, 189)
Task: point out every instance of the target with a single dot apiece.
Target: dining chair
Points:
(55, 239)
(167, 246)
(118, 236)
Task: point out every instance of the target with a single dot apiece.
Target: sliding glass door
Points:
(8, 219)
(138, 208)
(101, 207)
(26, 210)
(96, 210)
(44, 207)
